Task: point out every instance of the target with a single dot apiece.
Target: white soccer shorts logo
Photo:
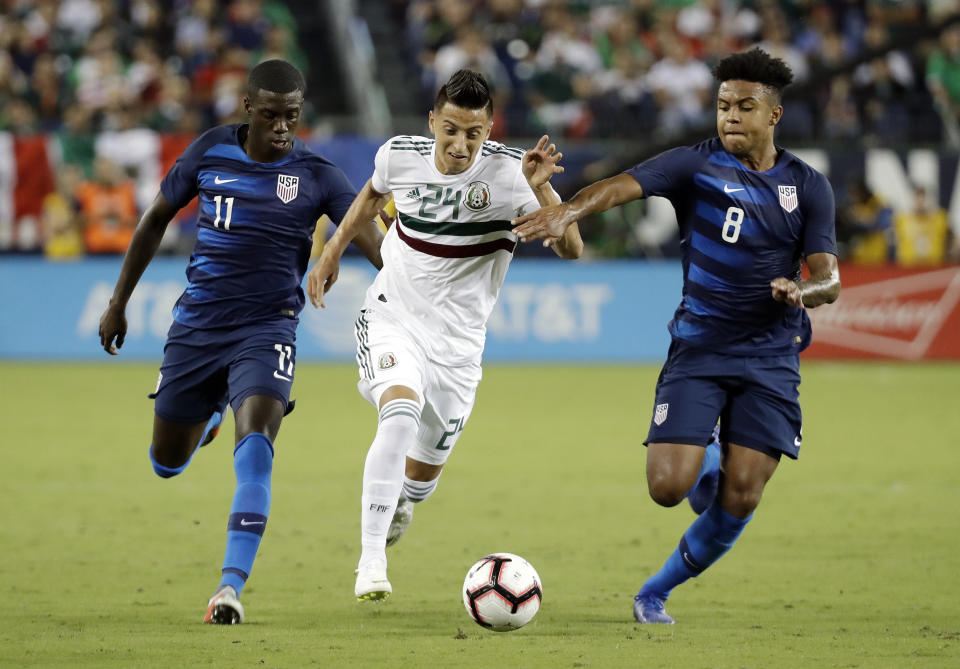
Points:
(660, 413)
(387, 360)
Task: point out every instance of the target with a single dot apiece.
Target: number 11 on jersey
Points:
(226, 220)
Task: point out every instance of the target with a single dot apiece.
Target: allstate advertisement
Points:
(549, 310)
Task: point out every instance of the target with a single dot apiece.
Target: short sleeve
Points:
(380, 179)
(819, 217)
(339, 193)
(667, 173)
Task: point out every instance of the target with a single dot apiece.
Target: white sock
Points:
(417, 491)
(383, 474)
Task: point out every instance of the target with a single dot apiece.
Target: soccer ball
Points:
(502, 592)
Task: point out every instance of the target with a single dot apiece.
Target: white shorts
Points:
(388, 355)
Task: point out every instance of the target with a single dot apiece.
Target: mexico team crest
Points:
(387, 360)
(660, 413)
(478, 196)
(287, 187)
(788, 197)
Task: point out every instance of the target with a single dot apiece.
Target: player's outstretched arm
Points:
(823, 286)
(143, 246)
(539, 164)
(357, 224)
(550, 223)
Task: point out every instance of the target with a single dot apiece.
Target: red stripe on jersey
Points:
(449, 251)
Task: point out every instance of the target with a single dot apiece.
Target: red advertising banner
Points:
(891, 313)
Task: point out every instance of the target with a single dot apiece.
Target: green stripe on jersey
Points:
(465, 229)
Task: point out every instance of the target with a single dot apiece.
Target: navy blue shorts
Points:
(203, 370)
(756, 400)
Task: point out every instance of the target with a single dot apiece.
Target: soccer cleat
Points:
(372, 584)
(224, 607)
(401, 521)
(649, 609)
(703, 493)
(212, 428)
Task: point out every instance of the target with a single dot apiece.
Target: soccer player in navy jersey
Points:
(261, 191)
(749, 214)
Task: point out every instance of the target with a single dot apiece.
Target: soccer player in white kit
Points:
(421, 331)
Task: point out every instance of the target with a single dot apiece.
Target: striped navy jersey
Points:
(255, 227)
(447, 254)
(739, 230)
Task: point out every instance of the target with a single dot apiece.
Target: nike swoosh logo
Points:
(217, 180)
(727, 189)
(796, 441)
(244, 522)
(278, 375)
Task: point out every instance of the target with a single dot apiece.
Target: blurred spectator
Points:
(682, 86)
(864, 222)
(943, 79)
(922, 232)
(63, 236)
(108, 208)
(840, 118)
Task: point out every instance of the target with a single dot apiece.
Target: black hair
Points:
(467, 89)
(758, 66)
(276, 76)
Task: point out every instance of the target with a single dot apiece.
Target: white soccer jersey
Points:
(445, 257)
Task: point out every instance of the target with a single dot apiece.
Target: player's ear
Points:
(431, 122)
(246, 105)
(776, 114)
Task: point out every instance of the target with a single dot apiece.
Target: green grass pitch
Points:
(852, 559)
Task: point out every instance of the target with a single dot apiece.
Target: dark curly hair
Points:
(467, 89)
(758, 66)
(276, 76)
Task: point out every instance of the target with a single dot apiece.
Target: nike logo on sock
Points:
(244, 522)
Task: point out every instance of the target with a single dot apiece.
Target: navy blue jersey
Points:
(740, 229)
(255, 227)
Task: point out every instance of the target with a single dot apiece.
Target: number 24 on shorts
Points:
(457, 425)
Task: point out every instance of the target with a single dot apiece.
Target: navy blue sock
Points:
(709, 537)
(253, 464)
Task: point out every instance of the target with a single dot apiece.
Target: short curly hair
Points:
(758, 66)
(276, 76)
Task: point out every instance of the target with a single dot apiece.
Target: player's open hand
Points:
(548, 224)
(113, 325)
(786, 291)
(541, 162)
(323, 275)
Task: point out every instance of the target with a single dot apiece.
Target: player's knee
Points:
(740, 495)
(666, 484)
(665, 490)
(167, 464)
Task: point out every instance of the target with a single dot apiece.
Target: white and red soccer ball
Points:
(502, 592)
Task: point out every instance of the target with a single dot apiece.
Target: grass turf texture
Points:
(851, 560)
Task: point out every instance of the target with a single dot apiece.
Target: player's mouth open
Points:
(280, 143)
(457, 156)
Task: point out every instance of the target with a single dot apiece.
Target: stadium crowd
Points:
(94, 85)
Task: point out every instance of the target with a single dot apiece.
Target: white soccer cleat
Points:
(372, 584)
(401, 521)
(224, 608)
